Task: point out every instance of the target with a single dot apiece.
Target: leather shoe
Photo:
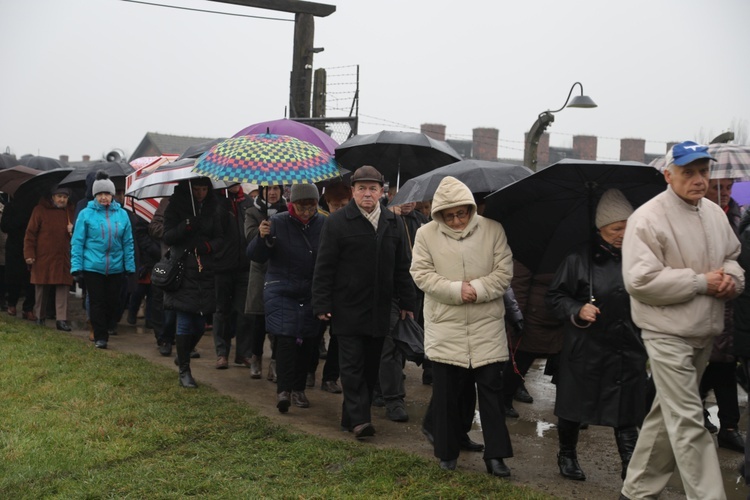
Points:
(330, 386)
(242, 362)
(310, 380)
(522, 395)
(222, 363)
(364, 430)
(708, 424)
(569, 467)
(12, 310)
(448, 464)
(496, 467)
(29, 315)
(100, 344)
(165, 349)
(467, 444)
(283, 402)
(510, 412)
(377, 400)
(731, 439)
(397, 413)
(299, 399)
(428, 435)
(63, 326)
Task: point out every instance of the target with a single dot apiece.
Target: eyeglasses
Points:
(460, 215)
(307, 206)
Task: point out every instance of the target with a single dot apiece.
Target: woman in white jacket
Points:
(463, 264)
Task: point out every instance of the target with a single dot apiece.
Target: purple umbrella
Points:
(294, 129)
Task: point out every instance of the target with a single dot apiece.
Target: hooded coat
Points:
(602, 372)
(47, 241)
(199, 240)
(468, 335)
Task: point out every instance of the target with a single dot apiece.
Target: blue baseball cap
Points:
(687, 152)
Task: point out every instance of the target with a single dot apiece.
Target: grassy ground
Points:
(77, 422)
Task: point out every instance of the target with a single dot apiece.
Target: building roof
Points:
(155, 144)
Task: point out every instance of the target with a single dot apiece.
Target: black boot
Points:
(567, 458)
(184, 344)
(626, 439)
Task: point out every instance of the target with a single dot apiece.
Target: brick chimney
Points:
(434, 130)
(86, 157)
(542, 151)
(64, 158)
(633, 150)
(584, 147)
(484, 143)
(670, 145)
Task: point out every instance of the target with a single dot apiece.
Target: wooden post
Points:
(319, 93)
(302, 53)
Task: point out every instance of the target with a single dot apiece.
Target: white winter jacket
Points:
(669, 244)
(471, 334)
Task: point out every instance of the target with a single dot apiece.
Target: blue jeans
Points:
(190, 323)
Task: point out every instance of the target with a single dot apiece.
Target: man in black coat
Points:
(742, 324)
(362, 261)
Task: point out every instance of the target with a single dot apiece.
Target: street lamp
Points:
(545, 119)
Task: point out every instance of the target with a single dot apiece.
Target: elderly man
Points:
(362, 261)
(679, 266)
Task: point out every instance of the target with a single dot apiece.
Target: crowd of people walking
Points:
(627, 324)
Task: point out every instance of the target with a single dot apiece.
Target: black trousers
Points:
(331, 366)
(722, 378)
(359, 361)
(292, 360)
(511, 379)
(104, 293)
(230, 319)
(446, 387)
(467, 403)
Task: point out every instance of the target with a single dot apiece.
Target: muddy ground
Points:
(533, 434)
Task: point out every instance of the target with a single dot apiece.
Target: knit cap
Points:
(613, 207)
(103, 184)
(304, 192)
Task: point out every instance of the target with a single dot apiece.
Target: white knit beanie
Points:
(613, 207)
(103, 184)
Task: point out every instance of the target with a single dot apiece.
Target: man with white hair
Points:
(679, 267)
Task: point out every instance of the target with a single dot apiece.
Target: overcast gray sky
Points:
(85, 76)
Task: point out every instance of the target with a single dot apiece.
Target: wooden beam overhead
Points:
(292, 6)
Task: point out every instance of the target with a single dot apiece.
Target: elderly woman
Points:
(46, 249)
(102, 253)
(288, 241)
(602, 372)
(462, 263)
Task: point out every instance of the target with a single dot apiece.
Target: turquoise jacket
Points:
(102, 240)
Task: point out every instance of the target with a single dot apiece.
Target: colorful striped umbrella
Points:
(267, 160)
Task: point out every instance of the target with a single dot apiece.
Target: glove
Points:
(78, 277)
(203, 248)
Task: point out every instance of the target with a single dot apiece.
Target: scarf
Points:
(373, 217)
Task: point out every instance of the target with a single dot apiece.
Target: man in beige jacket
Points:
(679, 266)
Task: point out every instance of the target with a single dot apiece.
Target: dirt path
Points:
(534, 438)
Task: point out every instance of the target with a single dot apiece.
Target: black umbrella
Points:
(114, 169)
(550, 212)
(399, 156)
(197, 150)
(41, 162)
(479, 176)
(30, 192)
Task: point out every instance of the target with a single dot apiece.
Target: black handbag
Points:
(169, 272)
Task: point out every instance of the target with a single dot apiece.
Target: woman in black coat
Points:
(192, 225)
(288, 241)
(602, 372)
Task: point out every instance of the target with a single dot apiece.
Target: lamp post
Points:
(545, 119)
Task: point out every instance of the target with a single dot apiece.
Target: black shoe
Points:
(330, 386)
(497, 467)
(510, 412)
(467, 444)
(283, 401)
(363, 430)
(448, 464)
(708, 424)
(378, 401)
(165, 349)
(100, 344)
(39, 321)
(195, 354)
(731, 439)
(132, 318)
(63, 326)
(186, 379)
(522, 395)
(428, 435)
(397, 413)
(569, 467)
